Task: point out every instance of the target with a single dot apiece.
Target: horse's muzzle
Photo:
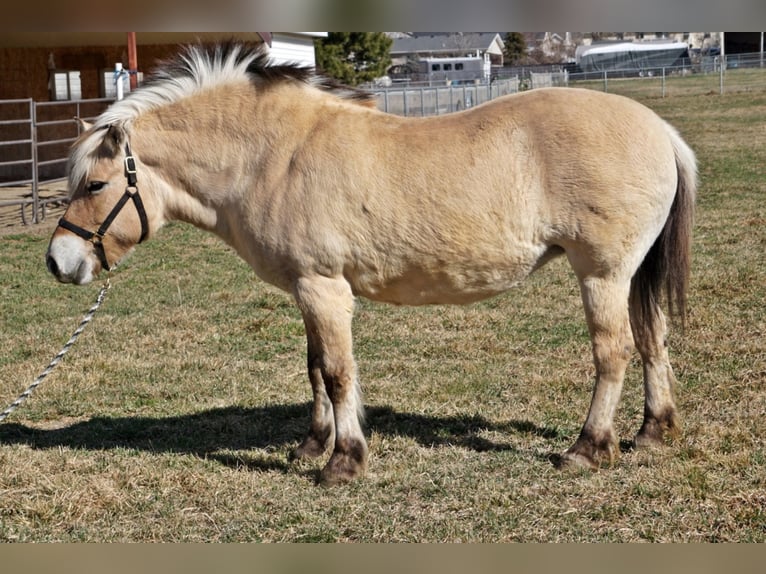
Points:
(69, 262)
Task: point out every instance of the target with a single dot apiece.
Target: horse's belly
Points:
(440, 284)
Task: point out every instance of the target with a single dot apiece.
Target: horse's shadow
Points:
(222, 433)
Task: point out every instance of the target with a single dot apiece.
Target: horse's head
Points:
(106, 216)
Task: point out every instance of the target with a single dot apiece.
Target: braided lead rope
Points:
(52, 365)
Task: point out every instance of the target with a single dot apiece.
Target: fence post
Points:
(720, 76)
(404, 100)
(605, 86)
(35, 177)
(663, 82)
(422, 103)
(118, 75)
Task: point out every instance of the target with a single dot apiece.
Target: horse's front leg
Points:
(327, 305)
(322, 429)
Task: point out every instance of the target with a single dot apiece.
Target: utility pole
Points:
(132, 61)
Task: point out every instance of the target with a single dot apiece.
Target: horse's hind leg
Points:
(606, 310)
(327, 306)
(660, 414)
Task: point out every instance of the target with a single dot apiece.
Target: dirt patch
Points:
(17, 217)
(45, 227)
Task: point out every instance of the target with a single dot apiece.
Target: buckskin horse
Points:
(328, 198)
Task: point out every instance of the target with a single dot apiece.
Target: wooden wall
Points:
(24, 71)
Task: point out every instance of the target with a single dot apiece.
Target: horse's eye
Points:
(95, 186)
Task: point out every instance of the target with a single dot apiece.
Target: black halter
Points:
(131, 192)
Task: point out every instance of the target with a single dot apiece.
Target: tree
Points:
(515, 48)
(353, 57)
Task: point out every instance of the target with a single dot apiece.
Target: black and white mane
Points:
(201, 66)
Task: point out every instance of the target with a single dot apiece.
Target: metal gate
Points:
(35, 138)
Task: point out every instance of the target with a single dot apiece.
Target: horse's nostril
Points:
(52, 265)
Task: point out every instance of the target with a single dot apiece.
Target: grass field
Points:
(676, 84)
(172, 417)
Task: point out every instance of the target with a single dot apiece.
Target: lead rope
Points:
(52, 365)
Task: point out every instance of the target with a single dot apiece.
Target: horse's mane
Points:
(201, 66)
(198, 67)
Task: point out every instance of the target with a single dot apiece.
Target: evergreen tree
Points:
(515, 48)
(353, 57)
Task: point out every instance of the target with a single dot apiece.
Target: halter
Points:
(131, 192)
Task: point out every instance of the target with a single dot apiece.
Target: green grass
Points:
(172, 417)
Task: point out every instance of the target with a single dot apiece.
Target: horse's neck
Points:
(212, 148)
(197, 155)
(209, 140)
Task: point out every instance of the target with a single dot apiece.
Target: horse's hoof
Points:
(656, 430)
(589, 452)
(574, 461)
(344, 467)
(309, 449)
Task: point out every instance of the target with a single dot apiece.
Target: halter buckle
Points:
(130, 165)
(130, 169)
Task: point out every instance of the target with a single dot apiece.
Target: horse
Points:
(330, 199)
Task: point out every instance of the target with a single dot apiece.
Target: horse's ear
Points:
(84, 126)
(112, 142)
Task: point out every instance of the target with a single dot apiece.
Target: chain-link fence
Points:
(709, 75)
(437, 100)
(734, 73)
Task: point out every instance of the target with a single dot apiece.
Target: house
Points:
(552, 45)
(445, 56)
(449, 44)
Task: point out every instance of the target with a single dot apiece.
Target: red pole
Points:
(132, 60)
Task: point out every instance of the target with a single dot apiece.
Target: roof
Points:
(436, 42)
(617, 47)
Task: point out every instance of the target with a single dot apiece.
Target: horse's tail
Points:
(667, 264)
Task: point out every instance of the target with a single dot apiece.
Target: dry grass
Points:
(172, 418)
(675, 84)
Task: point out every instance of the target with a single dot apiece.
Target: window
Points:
(458, 66)
(65, 85)
(435, 67)
(447, 67)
